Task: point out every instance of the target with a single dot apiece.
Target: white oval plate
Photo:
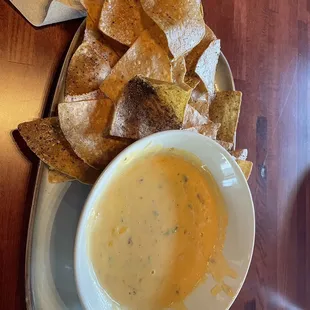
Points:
(56, 208)
(240, 232)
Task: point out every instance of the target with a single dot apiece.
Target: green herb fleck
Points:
(155, 213)
(171, 231)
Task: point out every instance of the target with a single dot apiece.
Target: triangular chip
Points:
(123, 20)
(45, 138)
(181, 21)
(193, 56)
(246, 167)
(86, 125)
(226, 145)
(89, 66)
(240, 154)
(225, 109)
(147, 57)
(148, 106)
(55, 176)
(191, 78)
(206, 67)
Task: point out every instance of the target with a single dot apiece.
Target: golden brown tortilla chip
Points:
(93, 95)
(246, 167)
(225, 109)
(193, 56)
(45, 138)
(123, 20)
(86, 125)
(146, 57)
(181, 21)
(89, 66)
(55, 176)
(191, 60)
(148, 106)
(240, 154)
(206, 67)
(226, 145)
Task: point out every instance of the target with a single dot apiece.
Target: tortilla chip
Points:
(193, 56)
(206, 67)
(148, 106)
(226, 145)
(89, 66)
(200, 94)
(210, 129)
(225, 109)
(123, 20)
(91, 35)
(192, 118)
(45, 139)
(196, 122)
(93, 8)
(181, 21)
(240, 154)
(86, 125)
(246, 167)
(93, 95)
(147, 56)
(55, 176)
(178, 73)
(191, 60)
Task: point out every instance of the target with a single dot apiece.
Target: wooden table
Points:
(267, 45)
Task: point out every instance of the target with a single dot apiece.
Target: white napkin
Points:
(44, 12)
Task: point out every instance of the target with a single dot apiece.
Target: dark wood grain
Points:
(267, 45)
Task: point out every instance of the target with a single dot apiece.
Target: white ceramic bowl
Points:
(239, 242)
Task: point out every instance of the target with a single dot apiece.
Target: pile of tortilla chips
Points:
(143, 66)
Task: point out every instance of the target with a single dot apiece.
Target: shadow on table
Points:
(62, 243)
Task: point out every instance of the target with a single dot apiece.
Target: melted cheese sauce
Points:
(158, 230)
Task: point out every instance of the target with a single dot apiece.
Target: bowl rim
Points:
(127, 150)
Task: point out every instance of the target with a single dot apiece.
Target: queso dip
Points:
(157, 230)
